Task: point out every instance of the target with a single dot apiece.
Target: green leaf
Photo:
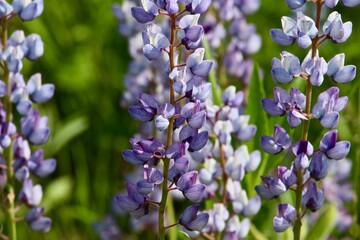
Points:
(258, 117)
(324, 224)
(215, 88)
(57, 192)
(65, 134)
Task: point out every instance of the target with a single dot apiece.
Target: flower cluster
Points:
(310, 164)
(17, 160)
(232, 38)
(181, 115)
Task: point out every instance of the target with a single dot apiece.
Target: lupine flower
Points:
(318, 166)
(272, 187)
(197, 65)
(338, 72)
(191, 33)
(295, 4)
(154, 42)
(312, 198)
(38, 92)
(134, 202)
(282, 103)
(302, 30)
(29, 194)
(35, 128)
(238, 229)
(193, 221)
(36, 220)
(287, 176)
(28, 10)
(179, 168)
(107, 228)
(286, 217)
(316, 67)
(5, 8)
(335, 29)
(284, 70)
(333, 149)
(218, 216)
(152, 177)
(211, 171)
(197, 6)
(39, 166)
(33, 47)
(328, 106)
(145, 14)
(187, 185)
(276, 144)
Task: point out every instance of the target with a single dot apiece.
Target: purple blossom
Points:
(335, 29)
(145, 14)
(312, 198)
(272, 187)
(193, 221)
(28, 10)
(276, 144)
(338, 72)
(286, 217)
(35, 128)
(36, 220)
(283, 71)
(187, 185)
(333, 149)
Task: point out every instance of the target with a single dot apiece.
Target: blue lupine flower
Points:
(218, 216)
(36, 220)
(338, 72)
(145, 14)
(33, 47)
(179, 168)
(335, 29)
(197, 6)
(287, 176)
(152, 177)
(210, 171)
(29, 194)
(187, 185)
(35, 128)
(272, 187)
(328, 106)
(39, 166)
(333, 149)
(236, 228)
(283, 102)
(283, 71)
(318, 166)
(295, 4)
(286, 217)
(191, 33)
(5, 8)
(28, 10)
(276, 144)
(133, 202)
(154, 41)
(38, 92)
(316, 67)
(193, 221)
(312, 198)
(147, 111)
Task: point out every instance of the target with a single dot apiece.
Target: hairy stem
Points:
(305, 130)
(161, 217)
(10, 212)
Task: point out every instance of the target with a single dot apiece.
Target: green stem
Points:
(305, 131)
(161, 217)
(11, 219)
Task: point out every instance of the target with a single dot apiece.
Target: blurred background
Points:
(86, 59)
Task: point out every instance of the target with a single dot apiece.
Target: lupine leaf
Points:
(216, 91)
(324, 224)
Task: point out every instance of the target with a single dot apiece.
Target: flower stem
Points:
(161, 217)
(10, 213)
(305, 131)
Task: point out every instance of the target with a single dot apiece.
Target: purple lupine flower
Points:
(40, 93)
(302, 30)
(328, 106)
(33, 47)
(133, 202)
(316, 67)
(197, 6)
(146, 111)
(276, 144)
(197, 65)
(152, 177)
(36, 220)
(29, 194)
(35, 128)
(338, 72)
(191, 33)
(312, 198)
(335, 29)
(293, 104)
(145, 14)
(272, 187)
(28, 10)
(210, 171)
(318, 166)
(286, 217)
(187, 185)
(179, 168)
(39, 166)
(333, 149)
(283, 71)
(236, 228)
(5, 9)
(302, 150)
(218, 216)
(287, 176)
(295, 4)
(193, 221)
(154, 42)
